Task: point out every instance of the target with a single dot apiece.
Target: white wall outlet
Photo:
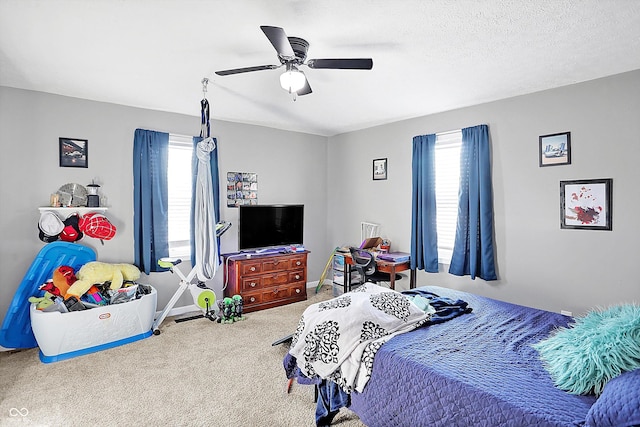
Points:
(566, 313)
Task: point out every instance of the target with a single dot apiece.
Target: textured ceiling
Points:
(428, 55)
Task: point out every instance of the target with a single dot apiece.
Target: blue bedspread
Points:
(478, 369)
(331, 397)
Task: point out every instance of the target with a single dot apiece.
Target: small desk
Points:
(385, 266)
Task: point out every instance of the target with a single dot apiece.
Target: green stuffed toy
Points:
(43, 302)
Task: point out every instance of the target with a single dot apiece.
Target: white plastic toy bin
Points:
(62, 336)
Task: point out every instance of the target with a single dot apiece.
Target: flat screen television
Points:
(262, 226)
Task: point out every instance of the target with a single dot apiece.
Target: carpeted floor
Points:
(195, 373)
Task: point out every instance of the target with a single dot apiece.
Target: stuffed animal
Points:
(99, 272)
(63, 278)
(48, 286)
(42, 303)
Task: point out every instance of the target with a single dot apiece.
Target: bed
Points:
(478, 368)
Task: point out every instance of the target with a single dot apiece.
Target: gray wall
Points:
(538, 264)
(291, 168)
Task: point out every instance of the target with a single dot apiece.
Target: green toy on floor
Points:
(231, 309)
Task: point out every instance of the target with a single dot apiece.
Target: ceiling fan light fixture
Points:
(292, 80)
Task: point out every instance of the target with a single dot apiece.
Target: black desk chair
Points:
(365, 263)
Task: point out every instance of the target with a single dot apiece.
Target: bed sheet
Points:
(478, 369)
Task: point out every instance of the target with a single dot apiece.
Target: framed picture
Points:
(586, 204)
(242, 189)
(73, 153)
(555, 149)
(379, 169)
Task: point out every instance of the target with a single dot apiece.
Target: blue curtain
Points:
(424, 239)
(150, 217)
(215, 183)
(473, 252)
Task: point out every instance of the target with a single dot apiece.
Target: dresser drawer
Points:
(284, 292)
(251, 299)
(249, 284)
(275, 264)
(296, 276)
(276, 293)
(298, 261)
(274, 279)
(298, 290)
(250, 267)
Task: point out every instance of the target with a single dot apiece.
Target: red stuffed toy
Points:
(63, 278)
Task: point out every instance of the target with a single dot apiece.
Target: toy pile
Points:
(94, 284)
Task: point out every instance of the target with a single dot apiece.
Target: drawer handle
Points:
(297, 276)
(298, 263)
(252, 299)
(253, 269)
(276, 262)
(275, 291)
(297, 291)
(252, 284)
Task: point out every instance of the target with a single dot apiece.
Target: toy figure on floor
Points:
(231, 309)
(239, 307)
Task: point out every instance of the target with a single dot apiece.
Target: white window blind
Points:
(447, 159)
(179, 179)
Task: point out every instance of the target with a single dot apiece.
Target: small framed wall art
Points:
(555, 149)
(586, 204)
(73, 153)
(379, 169)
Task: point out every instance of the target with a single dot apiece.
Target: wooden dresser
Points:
(266, 281)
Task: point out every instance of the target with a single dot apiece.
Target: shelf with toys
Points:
(65, 211)
(71, 224)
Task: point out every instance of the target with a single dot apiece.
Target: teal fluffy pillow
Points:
(597, 347)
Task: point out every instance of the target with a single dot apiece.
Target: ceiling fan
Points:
(292, 53)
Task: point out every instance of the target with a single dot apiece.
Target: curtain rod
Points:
(449, 132)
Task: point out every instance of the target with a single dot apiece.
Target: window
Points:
(179, 177)
(447, 158)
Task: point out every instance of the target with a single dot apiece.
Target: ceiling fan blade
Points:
(306, 89)
(247, 69)
(279, 40)
(342, 64)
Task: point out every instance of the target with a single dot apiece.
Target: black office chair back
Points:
(364, 262)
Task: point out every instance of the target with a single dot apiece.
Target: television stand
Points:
(266, 280)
